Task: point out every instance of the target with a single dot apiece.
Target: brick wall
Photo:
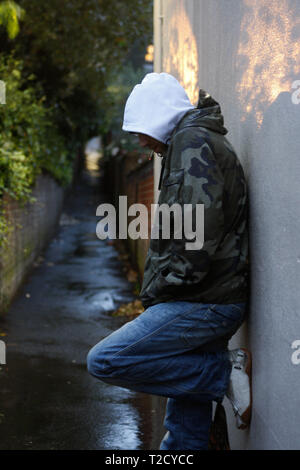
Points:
(140, 181)
(132, 175)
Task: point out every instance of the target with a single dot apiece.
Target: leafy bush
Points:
(10, 14)
(29, 140)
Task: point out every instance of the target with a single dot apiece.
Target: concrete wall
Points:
(246, 54)
(31, 227)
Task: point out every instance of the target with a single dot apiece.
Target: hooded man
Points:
(195, 296)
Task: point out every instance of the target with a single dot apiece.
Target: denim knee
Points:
(95, 362)
(102, 369)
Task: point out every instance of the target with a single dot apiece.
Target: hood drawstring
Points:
(162, 171)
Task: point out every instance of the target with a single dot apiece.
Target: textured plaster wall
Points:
(246, 54)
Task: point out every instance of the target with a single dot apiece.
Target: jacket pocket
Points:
(171, 186)
(174, 177)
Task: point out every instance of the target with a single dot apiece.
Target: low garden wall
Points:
(30, 228)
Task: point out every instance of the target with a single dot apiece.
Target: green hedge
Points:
(29, 138)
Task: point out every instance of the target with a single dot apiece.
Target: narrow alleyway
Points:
(47, 398)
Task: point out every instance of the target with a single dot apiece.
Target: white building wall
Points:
(246, 54)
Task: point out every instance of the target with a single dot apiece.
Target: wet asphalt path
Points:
(47, 398)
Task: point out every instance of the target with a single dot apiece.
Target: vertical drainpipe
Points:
(158, 67)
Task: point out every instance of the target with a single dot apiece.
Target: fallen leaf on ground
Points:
(130, 310)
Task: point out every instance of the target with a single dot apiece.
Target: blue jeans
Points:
(177, 350)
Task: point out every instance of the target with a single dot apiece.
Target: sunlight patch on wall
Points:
(268, 56)
(181, 59)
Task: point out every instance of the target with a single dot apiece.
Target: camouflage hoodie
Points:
(201, 167)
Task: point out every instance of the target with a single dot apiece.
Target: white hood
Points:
(155, 106)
